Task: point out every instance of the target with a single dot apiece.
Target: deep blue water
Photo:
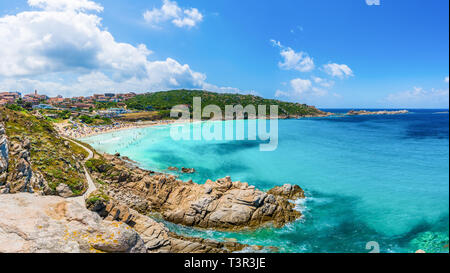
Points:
(368, 178)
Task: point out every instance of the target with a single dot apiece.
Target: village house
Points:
(74, 102)
(31, 99)
(9, 97)
(55, 101)
(34, 98)
(83, 106)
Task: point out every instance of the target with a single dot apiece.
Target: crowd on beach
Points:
(76, 130)
(79, 130)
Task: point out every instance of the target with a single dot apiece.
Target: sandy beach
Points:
(80, 130)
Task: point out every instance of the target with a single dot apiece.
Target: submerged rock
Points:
(431, 242)
(187, 170)
(31, 223)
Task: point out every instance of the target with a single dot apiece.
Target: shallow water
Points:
(368, 178)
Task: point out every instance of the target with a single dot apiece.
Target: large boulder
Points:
(221, 204)
(224, 204)
(156, 236)
(292, 192)
(63, 190)
(31, 223)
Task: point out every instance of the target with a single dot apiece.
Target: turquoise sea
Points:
(382, 179)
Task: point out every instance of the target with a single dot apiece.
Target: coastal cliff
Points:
(34, 158)
(156, 236)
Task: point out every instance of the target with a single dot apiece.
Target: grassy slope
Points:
(49, 155)
(164, 101)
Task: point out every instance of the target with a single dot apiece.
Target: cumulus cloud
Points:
(62, 47)
(418, 98)
(315, 89)
(292, 60)
(323, 82)
(338, 70)
(301, 90)
(170, 11)
(99, 82)
(46, 41)
(300, 86)
(58, 5)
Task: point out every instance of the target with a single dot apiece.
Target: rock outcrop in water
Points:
(384, 112)
(187, 170)
(31, 223)
(291, 192)
(221, 204)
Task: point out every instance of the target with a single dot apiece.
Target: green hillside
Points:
(56, 159)
(164, 101)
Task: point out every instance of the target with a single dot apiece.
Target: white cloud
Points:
(300, 86)
(279, 94)
(338, 70)
(170, 11)
(167, 75)
(64, 49)
(446, 79)
(39, 42)
(301, 90)
(419, 98)
(58, 5)
(299, 28)
(314, 90)
(276, 43)
(292, 60)
(323, 82)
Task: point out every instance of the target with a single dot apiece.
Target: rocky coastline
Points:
(50, 220)
(15, 156)
(156, 236)
(221, 204)
(31, 223)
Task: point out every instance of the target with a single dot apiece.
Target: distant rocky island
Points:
(383, 112)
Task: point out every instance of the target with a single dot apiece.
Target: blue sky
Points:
(324, 52)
